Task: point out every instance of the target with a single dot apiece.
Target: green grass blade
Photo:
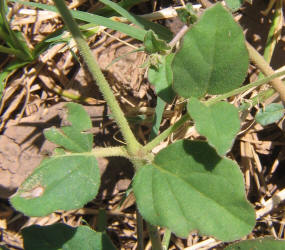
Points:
(13, 38)
(160, 30)
(95, 19)
(12, 66)
(125, 4)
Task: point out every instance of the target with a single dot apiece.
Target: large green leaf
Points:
(161, 77)
(189, 186)
(219, 123)
(258, 244)
(213, 58)
(65, 182)
(61, 236)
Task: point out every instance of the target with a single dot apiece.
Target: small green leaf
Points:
(70, 138)
(188, 187)
(187, 15)
(153, 44)
(272, 113)
(61, 182)
(160, 105)
(258, 244)
(61, 236)
(78, 117)
(213, 58)
(219, 123)
(161, 77)
(234, 4)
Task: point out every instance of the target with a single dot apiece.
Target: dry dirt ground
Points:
(34, 100)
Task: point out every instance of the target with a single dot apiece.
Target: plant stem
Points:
(110, 151)
(165, 133)
(265, 68)
(132, 144)
(244, 88)
(154, 237)
(166, 239)
(261, 97)
(140, 231)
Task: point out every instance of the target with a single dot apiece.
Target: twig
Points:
(209, 242)
(265, 68)
(179, 35)
(270, 204)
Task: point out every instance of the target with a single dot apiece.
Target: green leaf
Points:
(78, 117)
(188, 187)
(213, 58)
(272, 113)
(160, 105)
(234, 4)
(219, 123)
(187, 15)
(109, 12)
(70, 138)
(153, 44)
(61, 236)
(258, 244)
(161, 77)
(61, 182)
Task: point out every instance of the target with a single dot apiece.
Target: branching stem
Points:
(132, 144)
(166, 133)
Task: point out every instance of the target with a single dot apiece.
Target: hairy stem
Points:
(132, 144)
(265, 68)
(110, 151)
